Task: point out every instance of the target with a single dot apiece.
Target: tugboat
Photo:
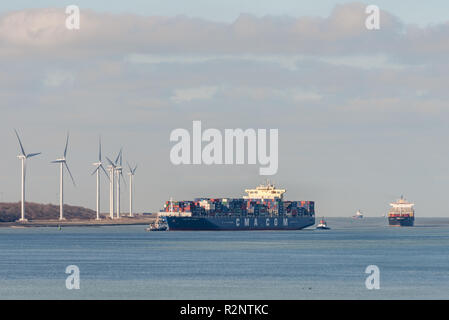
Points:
(322, 225)
(402, 213)
(358, 215)
(159, 225)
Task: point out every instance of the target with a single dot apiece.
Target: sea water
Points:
(126, 262)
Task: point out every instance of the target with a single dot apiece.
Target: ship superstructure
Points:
(267, 191)
(401, 213)
(358, 215)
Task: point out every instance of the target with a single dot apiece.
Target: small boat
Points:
(358, 215)
(159, 225)
(322, 225)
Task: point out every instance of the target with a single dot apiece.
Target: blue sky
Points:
(410, 11)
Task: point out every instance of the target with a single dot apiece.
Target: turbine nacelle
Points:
(111, 164)
(63, 160)
(132, 171)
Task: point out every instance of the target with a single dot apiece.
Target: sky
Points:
(362, 115)
(412, 11)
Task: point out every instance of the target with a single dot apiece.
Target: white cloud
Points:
(286, 61)
(305, 96)
(58, 78)
(279, 39)
(189, 94)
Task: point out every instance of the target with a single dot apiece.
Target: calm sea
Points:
(128, 263)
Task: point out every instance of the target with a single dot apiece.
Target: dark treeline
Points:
(10, 212)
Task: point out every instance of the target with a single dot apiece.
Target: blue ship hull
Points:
(240, 223)
(401, 221)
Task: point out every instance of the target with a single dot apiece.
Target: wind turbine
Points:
(111, 189)
(62, 162)
(99, 165)
(131, 174)
(112, 172)
(119, 173)
(23, 156)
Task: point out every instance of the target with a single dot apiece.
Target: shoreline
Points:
(79, 222)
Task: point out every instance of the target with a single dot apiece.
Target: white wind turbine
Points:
(99, 165)
(131, 173)
(119, 174)
(111, 189)
(112, 172)
(62, 162)
(23, 157)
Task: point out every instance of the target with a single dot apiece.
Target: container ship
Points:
(401, 213)
(263, 208)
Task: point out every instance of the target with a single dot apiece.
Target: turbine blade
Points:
(129, 167)
(96, 169)
(104, 170)
(134, 170)
(32, 155)
(118, 156)
(68, 170)
(66, 145)
(20, 143)
(110, 162)
(99, 149)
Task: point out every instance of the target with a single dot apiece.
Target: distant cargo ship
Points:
(263, 208)
(358, 215)
(401, 213)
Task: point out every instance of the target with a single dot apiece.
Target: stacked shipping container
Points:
(239, 206)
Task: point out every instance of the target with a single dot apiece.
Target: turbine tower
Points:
(23, 157)
(111, 168)
(119, 174)
(62, 162)
(99, 165)
(111, 191)
(131, 174)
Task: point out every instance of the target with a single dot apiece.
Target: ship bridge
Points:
(265, 191)
(401, 207)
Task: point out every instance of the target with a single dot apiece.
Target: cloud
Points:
(190, 94)
(302, 96)
(58, 78)
(342, 33)
(287, 61)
